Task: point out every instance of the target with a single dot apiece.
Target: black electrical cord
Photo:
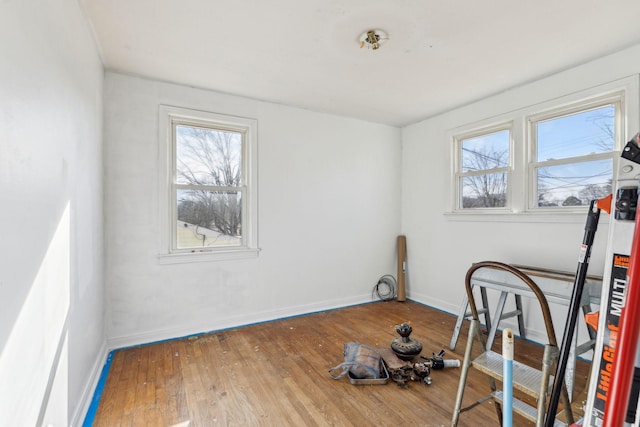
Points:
(386, 288)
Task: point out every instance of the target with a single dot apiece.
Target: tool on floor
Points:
(409, 370)
(438, 362)
(404, 346)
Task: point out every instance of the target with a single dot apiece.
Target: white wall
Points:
(441, 249)
(52, 340)
(329, 213)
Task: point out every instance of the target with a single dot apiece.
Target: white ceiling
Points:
(306, 53)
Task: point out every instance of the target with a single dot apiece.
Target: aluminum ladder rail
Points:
(531, 381)
(499, 315)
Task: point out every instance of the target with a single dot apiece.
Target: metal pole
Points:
(507, 374)
(590, 228)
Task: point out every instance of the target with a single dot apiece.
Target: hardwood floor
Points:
(276, 374)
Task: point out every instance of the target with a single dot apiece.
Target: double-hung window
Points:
(572, 155)
(553, 157)
(482, 170)
(208, 192)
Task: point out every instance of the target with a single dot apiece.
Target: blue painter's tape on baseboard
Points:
(95, 401)
(93, 408)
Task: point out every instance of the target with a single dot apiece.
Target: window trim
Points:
(616, 98)
(169, 117)
(519, 211)
(459, 174)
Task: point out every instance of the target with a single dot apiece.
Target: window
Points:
(572, 155)
(208, 184)
(553, 157)
(483, 169)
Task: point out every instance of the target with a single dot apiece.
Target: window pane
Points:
(574, 184)
(581, 134)
(485, 152)
(484, 191)
(208, 218)
(207, 156)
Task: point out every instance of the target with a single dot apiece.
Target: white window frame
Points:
(169, 117)
(521, 190)
(459, 175)
(616, 98)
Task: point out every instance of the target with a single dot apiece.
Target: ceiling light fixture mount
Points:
(373, 39)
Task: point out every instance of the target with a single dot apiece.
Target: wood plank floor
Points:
(276, 374)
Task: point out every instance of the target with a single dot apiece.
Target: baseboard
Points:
(188, 329)
(85, 410)
(90, 388)
(92, 391)
(436, 303)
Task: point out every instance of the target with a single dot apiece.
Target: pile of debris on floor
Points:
(401, 362)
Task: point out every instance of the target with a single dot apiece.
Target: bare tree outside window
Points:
(484, 163)
(209, 186)
(554, 157)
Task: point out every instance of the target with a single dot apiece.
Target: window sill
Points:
(524, 217)
(208, 256)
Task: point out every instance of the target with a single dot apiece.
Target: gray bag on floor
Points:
(360, 361)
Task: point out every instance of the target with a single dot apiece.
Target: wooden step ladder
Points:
(532, 382)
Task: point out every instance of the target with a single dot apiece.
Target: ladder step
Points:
(520, 407)
(468, 314)
(584, 347)
(525, 378)
(509, 314)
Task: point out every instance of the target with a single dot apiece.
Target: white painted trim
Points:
(207, 256)
(232, 322)
(457, 174)
(247, 126)
(86, 398)
(613, 97)
(524, 217)
(436, 303)
(627, 88)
